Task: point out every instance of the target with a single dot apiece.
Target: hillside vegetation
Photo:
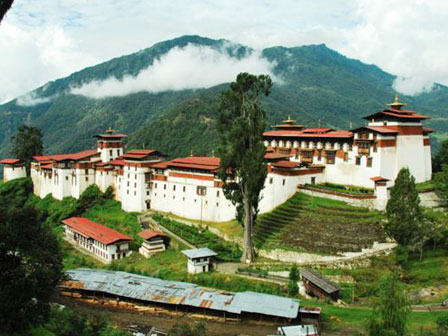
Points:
(309, 223)
(317, 83)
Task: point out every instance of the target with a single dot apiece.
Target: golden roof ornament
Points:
(191, 153)
(289, 120)
(110, 130)
(396, 104)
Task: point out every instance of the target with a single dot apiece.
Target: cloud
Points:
(191, 67)
(32, 99)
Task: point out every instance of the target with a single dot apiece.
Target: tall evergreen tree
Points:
(441, 158)
(26, 143)
(391, 310)
(30, 268)
(242, 120)
(404, 214)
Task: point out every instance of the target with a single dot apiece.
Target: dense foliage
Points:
(316, 83)
(390, 313)
(30, 261)
(26, 143)
(188, 328)
(202, 238)
(241, 122)
(404, 214)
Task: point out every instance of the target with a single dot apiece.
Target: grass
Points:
(426, 186)
(347, 189)
(307, 223)
(230, 228)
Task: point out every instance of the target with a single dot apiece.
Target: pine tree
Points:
(26, 143)
(241, 123)
(404, 214)
(391, 311)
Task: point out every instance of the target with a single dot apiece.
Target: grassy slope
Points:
(306, 223)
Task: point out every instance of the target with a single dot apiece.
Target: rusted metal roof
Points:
(149, 289)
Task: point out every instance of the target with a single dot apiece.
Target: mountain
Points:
(317, 85)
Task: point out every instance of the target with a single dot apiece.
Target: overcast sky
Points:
(42, 40)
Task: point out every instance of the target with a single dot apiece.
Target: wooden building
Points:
(319, 286)
(153, 242)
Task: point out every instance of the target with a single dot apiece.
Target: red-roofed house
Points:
(100, 241)
(153, 242)
(13, 169)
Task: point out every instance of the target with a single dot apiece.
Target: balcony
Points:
(364, 150)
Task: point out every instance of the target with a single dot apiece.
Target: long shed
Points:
(318, 285)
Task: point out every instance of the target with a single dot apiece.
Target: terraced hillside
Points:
(318, 225)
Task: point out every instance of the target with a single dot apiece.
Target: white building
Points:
(369, 156)
(13, 169)
(199, 260)
(100, 241)
(153, 242)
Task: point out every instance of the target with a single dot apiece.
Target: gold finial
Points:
(213, 153)
(396, 104)
(191, 153)
(289, 120)
(110, 130)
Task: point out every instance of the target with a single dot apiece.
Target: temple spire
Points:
(396, 104)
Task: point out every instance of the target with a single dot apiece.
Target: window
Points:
(283, 183)
(358, 160)
(111, 152)
(135, 185)
(147, 193)
(135, 193)
(345, 157)
(127, 192)
(330, 157)
(217, 193)
(201, 190)
(128, 183)
(319, 154)
(87, 171)
(66, 178)
(174, 187)
(363, 147)
(217, 204)
(164, 187)
(118, 152)
(129, 176)
(155, 185)
(87, 179)
(270, 180)
(184, 189)
(369, 162)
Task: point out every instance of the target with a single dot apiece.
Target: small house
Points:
(319, 286)
(13, 169)
(98, 240)
(199, 260)
(298, 330)
(153, 242)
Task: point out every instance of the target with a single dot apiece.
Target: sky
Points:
(42, 40)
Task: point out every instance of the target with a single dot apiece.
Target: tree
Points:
(441, 182)
(241, 122)
(5, 5)
(26, 143)
(390, 312)
(403, 211)
(187, 328)
(441, 158)
(293, 278)
(30, 268)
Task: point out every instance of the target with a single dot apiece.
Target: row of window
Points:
(368, 164)
(183, 199)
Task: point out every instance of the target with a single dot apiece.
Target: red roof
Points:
(310, 133)
(62, 157)
(401, 114)
(117, 162)
(427, 130)
(275, 156)
(196, 162)
(285, 164)
(94, 230)
(11, 161)
(148, 234)
(47, 166)
(160, 165)
(138, 154)
(111, 136)
(379, 178)
(379, 129)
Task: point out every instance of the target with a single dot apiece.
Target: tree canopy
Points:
(403, 211)
(30, 268)
(26, 143)
(391, 310)
(241, 123)
(441, 157)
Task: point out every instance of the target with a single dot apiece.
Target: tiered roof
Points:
(11, 161)
(67, 157)
(140, 154)
(96, 231)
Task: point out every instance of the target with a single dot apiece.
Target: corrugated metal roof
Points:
(318, 280)
(199, 253)
(181, 293)
(298, 330)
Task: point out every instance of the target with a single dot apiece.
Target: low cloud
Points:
(412, 85)
(191, 67)
(32, 99)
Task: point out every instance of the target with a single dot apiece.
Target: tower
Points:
(110, 145)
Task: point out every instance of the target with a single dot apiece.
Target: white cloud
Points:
(44, 40)
(191, 67)
(32, 99)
